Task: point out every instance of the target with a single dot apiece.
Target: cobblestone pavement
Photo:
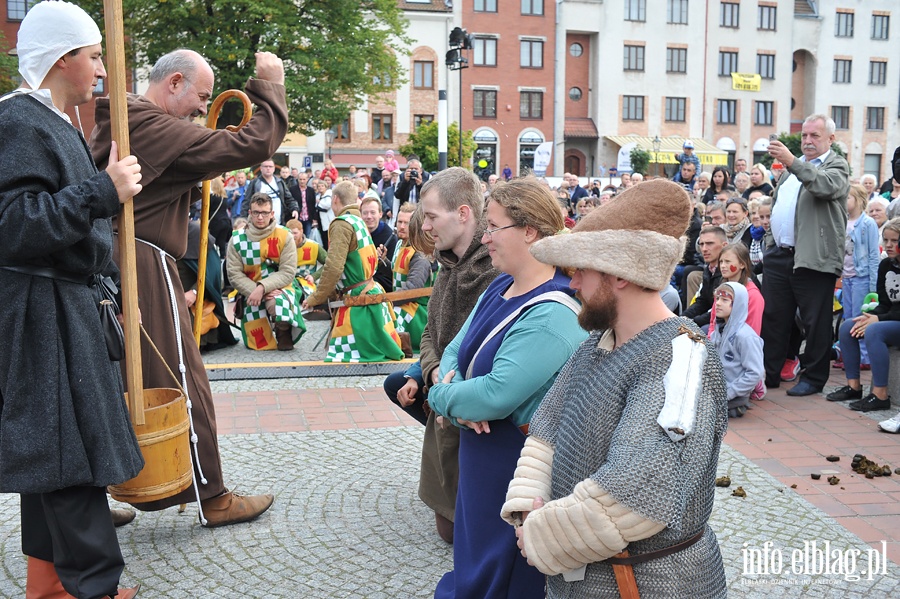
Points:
(347, 523)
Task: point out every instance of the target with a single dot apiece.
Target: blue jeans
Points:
(878, 336)
(855, 289)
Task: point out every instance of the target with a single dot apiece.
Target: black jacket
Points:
(257, 185)
(406, 185)
(699, 310)
(383, 235)
(308, 195)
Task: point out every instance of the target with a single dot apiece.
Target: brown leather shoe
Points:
(121, 517)
(444, 528)
(232, 508)
(406, 344)
(283, 336)
(129, 593)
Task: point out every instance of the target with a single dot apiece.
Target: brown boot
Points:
(231, 508)
(444, 528)
(283, 336)
(121, 517)
(129, 593)
(42, 582)
(406, 344)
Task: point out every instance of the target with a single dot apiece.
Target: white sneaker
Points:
(891, 425)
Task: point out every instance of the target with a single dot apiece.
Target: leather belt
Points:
(356, 285)
(51, 273)
(788, 248)
(651, 555)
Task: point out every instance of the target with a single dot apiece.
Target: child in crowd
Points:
(390, 163)
(757, 243)
(880, 328)
(861, 257)
(734, 262)
(739, 347)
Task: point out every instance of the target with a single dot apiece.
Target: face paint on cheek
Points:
(733, 268)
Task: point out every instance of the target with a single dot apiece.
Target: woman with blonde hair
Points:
(759, 181)
(492, 381)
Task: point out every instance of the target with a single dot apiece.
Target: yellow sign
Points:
(710, 159)
(746, 82)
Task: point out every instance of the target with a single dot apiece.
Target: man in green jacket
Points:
(805, 250)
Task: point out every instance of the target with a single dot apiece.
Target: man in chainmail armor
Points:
(625, 445)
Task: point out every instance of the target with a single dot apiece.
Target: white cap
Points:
(49, 31)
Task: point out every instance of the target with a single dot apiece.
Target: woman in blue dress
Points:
(495, 373)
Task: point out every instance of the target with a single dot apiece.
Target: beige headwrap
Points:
(50, 30)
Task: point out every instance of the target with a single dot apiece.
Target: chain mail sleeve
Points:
(587, 526)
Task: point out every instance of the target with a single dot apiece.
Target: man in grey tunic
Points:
(625, 445)
(64, 427)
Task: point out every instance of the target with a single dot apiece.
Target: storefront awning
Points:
(670, 146)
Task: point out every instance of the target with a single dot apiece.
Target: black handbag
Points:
(105, 291)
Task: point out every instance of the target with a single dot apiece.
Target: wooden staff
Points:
(211, 121)
(115, 50)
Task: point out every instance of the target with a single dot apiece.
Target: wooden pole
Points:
(211, 121)
(115, 50)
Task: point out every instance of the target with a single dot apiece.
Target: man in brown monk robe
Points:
(175, 155)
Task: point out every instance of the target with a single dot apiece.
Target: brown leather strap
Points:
(625, 579)
(355, 285)
(630, 560)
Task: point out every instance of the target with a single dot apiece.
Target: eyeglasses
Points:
(257, 213)
(490, 232)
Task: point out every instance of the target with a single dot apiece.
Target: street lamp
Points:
(459, 40)
(656, 143)
(329, 139)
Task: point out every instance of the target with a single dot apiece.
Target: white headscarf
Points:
(49, 31)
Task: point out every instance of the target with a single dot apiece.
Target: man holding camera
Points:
(411, 182)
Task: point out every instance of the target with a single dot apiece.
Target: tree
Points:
(423, 142)
(9, 68)
(640, 160)
(792, 141)
(336, 52)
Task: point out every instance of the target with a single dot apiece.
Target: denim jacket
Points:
(866, 253)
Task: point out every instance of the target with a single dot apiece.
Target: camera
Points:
(413, 174)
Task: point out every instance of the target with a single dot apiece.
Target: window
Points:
(842, 69)
(635, 10)
(880, 25)
(843, 24)
(342, 130)
(727, 112)
(485, 103)
(531, 54)
(485, 5)
(17, 9)
(764, 113)
(575, 93)
(420, 119)
(677, 12)
(531, 105)
(676, 60)
(381, 127)
(728, 63)
(634, 58)
(765, 65)
(533, 7)
(632, 108)
(486, 51)
(841, 117)
(730, 15)
(875, 118)
(675, 108)
(877, 72)
(872, 165)
(423, 74)
(576, 50)
(765, 18)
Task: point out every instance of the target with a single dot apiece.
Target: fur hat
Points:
(637, 236)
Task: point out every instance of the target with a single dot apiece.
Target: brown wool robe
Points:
(459, 284)
(175, 155)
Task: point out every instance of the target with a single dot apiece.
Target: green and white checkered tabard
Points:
(403, 318)
(248, 250)
(342, 349)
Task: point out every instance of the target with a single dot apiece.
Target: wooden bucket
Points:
(165, 444)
